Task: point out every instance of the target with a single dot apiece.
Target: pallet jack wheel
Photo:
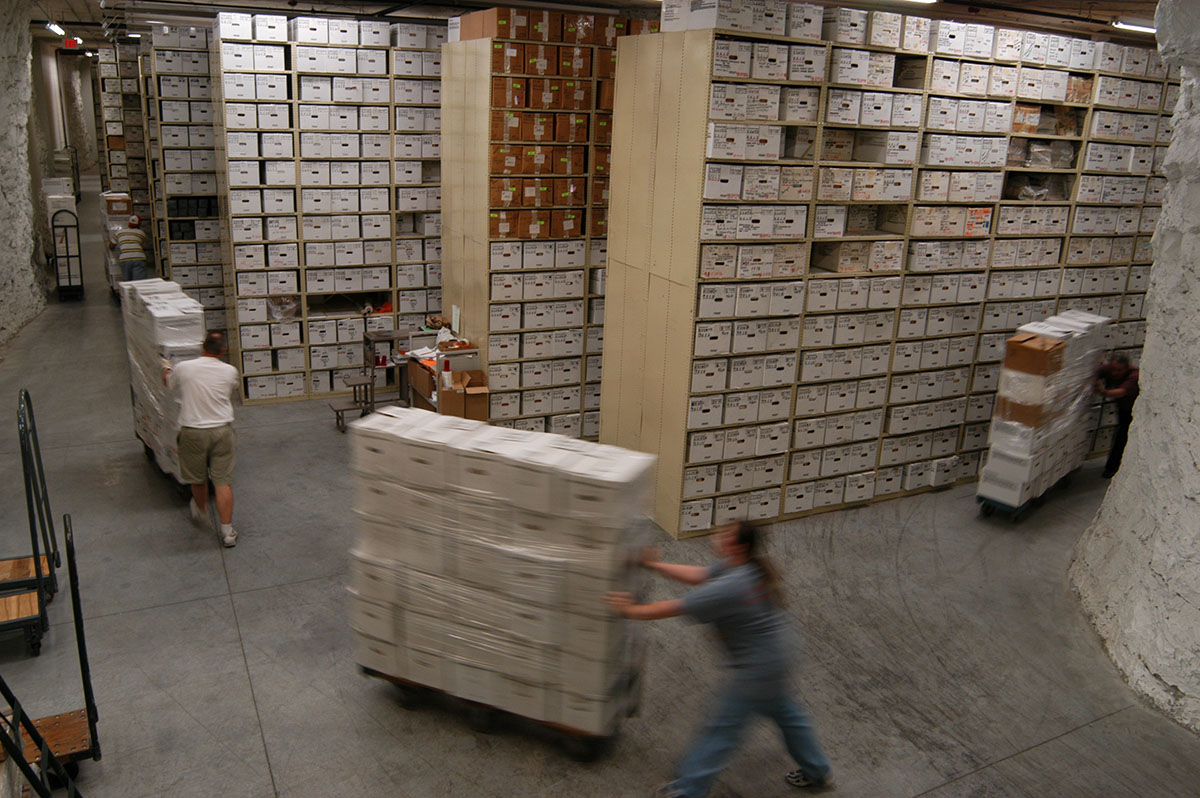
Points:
(410, 697)
(986, 510)
(586, 749)
(481, 718)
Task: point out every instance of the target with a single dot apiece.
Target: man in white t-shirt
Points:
(206, 387)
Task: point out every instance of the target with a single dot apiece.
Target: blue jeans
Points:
(733, 706)
(133, 270)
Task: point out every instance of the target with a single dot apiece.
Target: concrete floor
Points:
(945, 654)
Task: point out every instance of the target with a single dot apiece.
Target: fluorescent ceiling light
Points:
(77, 40)
(922, 2)
(1119, 25)
(55, 28)
(89, 53)
(134, 35)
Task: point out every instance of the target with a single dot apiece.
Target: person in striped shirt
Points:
(130, 244)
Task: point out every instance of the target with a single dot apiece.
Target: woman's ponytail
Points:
(748, 535)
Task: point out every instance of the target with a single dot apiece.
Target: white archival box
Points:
(606, 485)
(376, 579)
(427, 453)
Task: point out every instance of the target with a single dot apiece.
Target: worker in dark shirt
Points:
(1118, 380)
(739, 595)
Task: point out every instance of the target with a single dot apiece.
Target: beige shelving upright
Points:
(868, 383)
(315, 240)
(181, 149)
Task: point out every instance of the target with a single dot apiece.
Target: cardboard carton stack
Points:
(161, 324)
(1040, 429)
(482, 558)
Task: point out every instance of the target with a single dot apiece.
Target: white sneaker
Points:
(229, 537)
(197, 514)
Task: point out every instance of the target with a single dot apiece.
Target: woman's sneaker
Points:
(797, 779)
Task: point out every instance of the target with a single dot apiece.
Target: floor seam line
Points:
(1027, 749)
(237, 627)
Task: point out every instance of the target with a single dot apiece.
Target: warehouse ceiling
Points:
(87, 16)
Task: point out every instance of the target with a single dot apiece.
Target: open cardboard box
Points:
(467, 397)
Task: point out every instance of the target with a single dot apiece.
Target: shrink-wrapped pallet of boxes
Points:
(1041, 426)
(162, 325)
(482, 559)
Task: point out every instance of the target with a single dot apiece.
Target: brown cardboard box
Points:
(506, 126)
(570, 160)
(420, 378)
(566, 224)
(576, 94)
(539, 160)
(569, 191)
(508, 57)
(578, 28)
(601, 161)
(508, 92)
(118, 206)
(599, 221)
(602, 133)
(534, 224)
(545, 26)
(639, 26)
(541, 59)
(503, 224)
(504, 192)
(606, 63)
(545, 93)
(608, 95)
(494, 23)
(608, 29)
(116, 142)
(468, 396)
(600, 191)
(1029, 415)
(1033, 354)
(537, 192)
(571, 128)
(506, 159)
(538, 126)
(575, 62)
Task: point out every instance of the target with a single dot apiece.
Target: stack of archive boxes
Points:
(329, 151)
(162, 325)
(482, 559)
(183, 149)
(1042, 426)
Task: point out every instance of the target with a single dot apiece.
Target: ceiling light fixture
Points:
(77, 40)
(89, 53)
(922, 2)
(134, 35)
(55, 28)
(1119, 25)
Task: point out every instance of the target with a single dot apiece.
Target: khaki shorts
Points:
(206, 454)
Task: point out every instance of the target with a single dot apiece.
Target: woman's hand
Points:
(618, 602)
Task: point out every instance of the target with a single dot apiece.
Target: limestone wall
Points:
(1137, 568)
(21, 293)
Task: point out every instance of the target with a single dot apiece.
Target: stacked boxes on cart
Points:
(162, 325)
(183, 147)
(549, 128)
(1042, 425)
(885, 197)
(329, 150)
(482, 559)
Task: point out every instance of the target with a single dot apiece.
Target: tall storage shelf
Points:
(328, 175)
(124, 152)
(526, 159)
(181, 142)
(818, 252)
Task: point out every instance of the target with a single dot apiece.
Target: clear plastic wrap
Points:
(509, 542)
